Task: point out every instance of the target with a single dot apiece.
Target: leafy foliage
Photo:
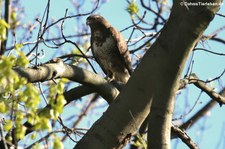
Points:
(20, 100)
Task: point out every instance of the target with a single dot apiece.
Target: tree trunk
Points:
(179, 36)
(153, 84)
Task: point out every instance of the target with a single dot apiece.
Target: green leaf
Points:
(33, 118)
(60, 87)
(4, 24)
(54, 114)
(45, 124)
(36, 146)
(33, 136)
(19, 118)
(18, 46)
(8, 125)
(3, 29)
(132, 8)
(20, 131)
(57, 144)
(22, 60)
(33, 98)
(3, 107)
(13, 16)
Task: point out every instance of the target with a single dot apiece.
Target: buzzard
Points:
(109, 49)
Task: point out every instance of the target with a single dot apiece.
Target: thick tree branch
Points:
(58, 69)
(77, 92)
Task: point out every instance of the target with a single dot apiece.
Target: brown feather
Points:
(109, 49)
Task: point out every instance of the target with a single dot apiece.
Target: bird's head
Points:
(96, 21)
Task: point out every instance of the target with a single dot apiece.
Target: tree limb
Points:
(203, 86)
(184, 137)
(58, 69)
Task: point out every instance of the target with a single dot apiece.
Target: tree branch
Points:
(184, 137)
(58, 69)
(202, 85)
(190, 122)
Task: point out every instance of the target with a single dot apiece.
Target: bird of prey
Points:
(109, 49)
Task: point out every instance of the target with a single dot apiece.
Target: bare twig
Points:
(191, 121)
(42, 30)
(73, 16)
(220, 14)
(69, 41)
(83, 113)
(45, 137)
(151, 10)
(216, 53)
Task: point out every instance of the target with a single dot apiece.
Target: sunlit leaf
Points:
(2, 107)
(36, 146)
(132, 8)
(3, 29)
(57, 144)
(8, 125)
(20, 132)
(33, 136)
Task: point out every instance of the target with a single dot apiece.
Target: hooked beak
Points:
(88, 22)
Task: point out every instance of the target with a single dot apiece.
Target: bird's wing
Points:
(122, 47)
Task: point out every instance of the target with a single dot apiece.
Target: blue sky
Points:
(206, 65)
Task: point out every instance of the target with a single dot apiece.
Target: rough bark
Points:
(154, 81)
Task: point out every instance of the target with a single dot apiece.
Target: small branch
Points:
(147, 42)
(190, 110)
(45, 137)
(220, 14)
(151, 10)
(202, 85)
(184, 137)
(218, 40)
(215, 53)
(72, 56)
(73, 16)
(201, 112)
(135, 24)
(88, 107)
(69, 41)
(48, 40)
